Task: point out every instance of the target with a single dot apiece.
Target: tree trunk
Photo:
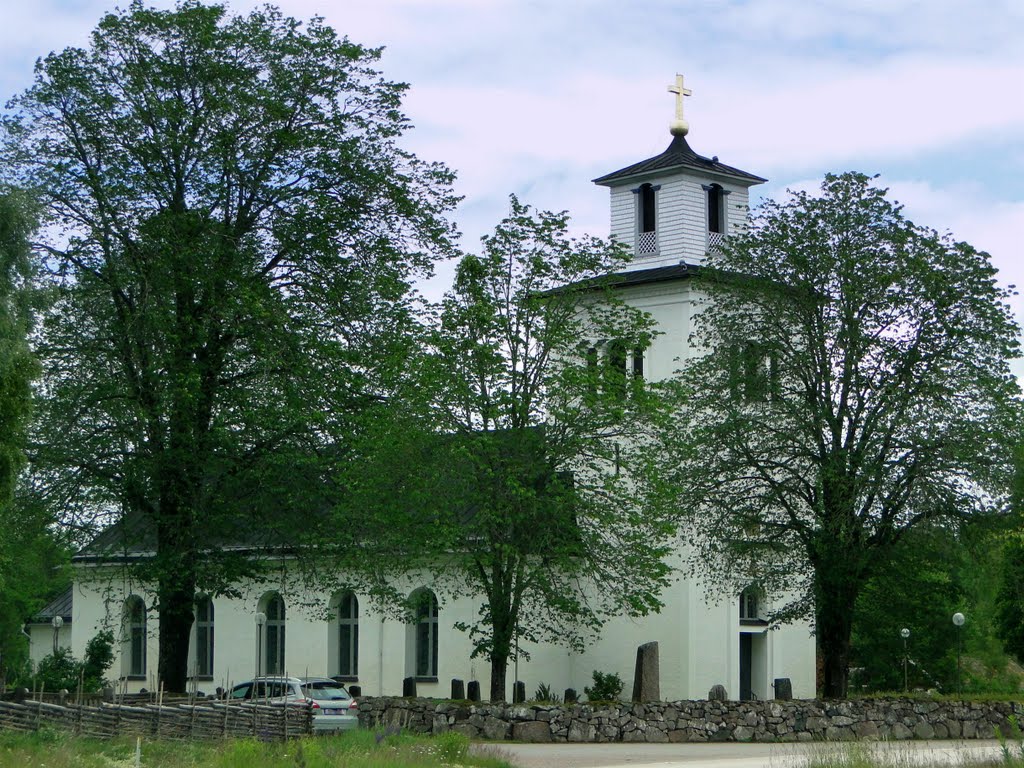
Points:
(176, 615)
(499, 668)
(175, 564)
(836, 595)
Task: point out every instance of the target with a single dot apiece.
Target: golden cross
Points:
(680, 92)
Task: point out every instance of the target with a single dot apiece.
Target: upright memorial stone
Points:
(646, 678)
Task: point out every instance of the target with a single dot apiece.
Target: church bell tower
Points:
(677, 207)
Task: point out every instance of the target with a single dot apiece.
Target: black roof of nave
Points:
(678, 155)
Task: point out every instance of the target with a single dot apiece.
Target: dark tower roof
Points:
(678, 155)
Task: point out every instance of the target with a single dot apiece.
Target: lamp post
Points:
(261, 619)
(958, 621)
(905, 633)
(57, 622)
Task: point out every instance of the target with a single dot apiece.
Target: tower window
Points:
(717, 220)
(646, 219)
(716, 212)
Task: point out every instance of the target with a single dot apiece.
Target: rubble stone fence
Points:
(680, 721)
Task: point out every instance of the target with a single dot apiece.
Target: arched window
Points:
(133, 649)
(750, 604)
(615, 370)
(204, 637)
(343, 644)
(272, 606)
(716, 208)
(422, 637)
(646, 219)
(717, 220)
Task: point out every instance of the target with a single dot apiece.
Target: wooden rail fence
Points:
(208, 720)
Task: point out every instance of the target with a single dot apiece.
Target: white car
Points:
(333, 708)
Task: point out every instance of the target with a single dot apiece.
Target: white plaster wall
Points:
(698, 644)
(40, 640)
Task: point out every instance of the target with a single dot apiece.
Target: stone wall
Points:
(676, 721)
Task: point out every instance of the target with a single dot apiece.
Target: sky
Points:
(538, 98)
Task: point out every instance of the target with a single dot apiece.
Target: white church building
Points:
(671, 209)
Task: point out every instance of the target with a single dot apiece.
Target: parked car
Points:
(333, 708)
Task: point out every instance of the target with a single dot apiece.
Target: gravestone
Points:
(474, 690)
(571, 697)
(783, 688)
(646, 678)
(409, 687)
(718, 693)
(519, 692)
(458, 689)
(355, 691)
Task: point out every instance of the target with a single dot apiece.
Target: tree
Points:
(511, 471)
(233, 230)
(28, 553)
(854, 385)
(18, 368)
(1010, 597)
(914, 587)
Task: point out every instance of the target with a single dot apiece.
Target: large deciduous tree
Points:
(852, 383)
(232, 228)
(25, 546)
(512, 472)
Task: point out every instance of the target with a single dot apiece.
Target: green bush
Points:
(544, 693)
(62, 670)
(607, 687)
(99, 655)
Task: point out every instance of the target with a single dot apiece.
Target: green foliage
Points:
(514, 455)
(544, 693)
(26, 547)
(606, 687)
(99, 655)
(915, 588)
(17, 366)
(58, 670)
(451, 747)
(1011, 743)
(868, 393)
(235, 227)
(61, 670)
(57, 749)
(36, 555)
(1010, 599)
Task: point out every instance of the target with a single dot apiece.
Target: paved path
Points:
(729, 754)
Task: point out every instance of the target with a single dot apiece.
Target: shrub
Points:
(607, 687)
(61, 669)
(544, 693)
(99, 655)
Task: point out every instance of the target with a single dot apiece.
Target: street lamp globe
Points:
(904, 633)
(959, 619)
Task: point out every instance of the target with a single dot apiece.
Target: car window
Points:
(323, 692)
(243, 691)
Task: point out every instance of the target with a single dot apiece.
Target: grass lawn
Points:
(856, 755)
(360, 749)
